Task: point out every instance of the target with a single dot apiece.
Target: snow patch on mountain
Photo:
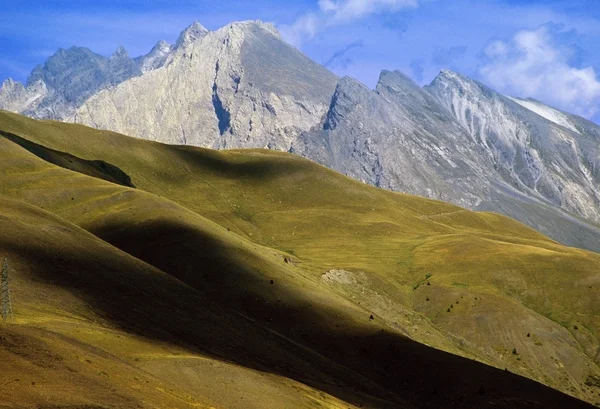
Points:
(547, 112)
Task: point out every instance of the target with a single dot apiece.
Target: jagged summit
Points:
(347, 82)
(535, 148)
(191, 34)
(9, 82)
(120, 52)
(453, 75)
(241, 84)
(349, 92)
(252, 24)
(161, 45)
(396, 84)
(387, 77)
(156, 58)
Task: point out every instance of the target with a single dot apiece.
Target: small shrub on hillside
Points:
(514, 351)
(593, 380)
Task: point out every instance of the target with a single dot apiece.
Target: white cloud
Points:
(534, 64)
(337, 12)
(343, 11)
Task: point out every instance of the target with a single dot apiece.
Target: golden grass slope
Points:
(98, 328)
(224, 225)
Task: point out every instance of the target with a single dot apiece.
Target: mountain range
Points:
(274, 236)
(242, 86)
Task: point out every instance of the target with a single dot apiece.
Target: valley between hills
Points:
(166, 276)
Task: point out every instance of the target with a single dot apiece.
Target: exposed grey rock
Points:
(156, 58)
(69, 77)
(239, 86)
(65, 81)
(190, 34)
(546, 157)
(370, 136)
(18, 98)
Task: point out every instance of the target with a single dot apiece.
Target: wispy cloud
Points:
(345, 11)
(330, 13)
(340, 58)
(535, 63)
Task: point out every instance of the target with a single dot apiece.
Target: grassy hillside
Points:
(259, 279)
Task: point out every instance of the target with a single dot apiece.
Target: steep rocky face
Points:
(192, 33)
(65, 81)
(535, 148)
(399, 139)
(239, 86)
(69, 77)
(15, 97)
(156, 58)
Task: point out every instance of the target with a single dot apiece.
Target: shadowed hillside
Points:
(259, 279)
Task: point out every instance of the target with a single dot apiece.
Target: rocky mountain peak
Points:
(191, 34)
(9, 82)
(448, 85)
(156, 57)
(120, 52)
(161, 46)
(395, 78)
(251, 24)
(348, 94)
(63, 63)
(397, 85)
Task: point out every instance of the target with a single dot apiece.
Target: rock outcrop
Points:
(239, 86)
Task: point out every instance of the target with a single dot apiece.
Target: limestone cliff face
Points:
(239, 86)
(398, 138)
(541, 151)
(15, 97)
(55, 89)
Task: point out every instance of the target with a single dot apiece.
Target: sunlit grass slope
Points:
(292, 255)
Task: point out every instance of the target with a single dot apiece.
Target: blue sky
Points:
(547, 50)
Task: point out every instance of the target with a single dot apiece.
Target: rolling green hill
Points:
(197, 278)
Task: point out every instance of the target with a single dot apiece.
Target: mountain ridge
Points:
(244, 87)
